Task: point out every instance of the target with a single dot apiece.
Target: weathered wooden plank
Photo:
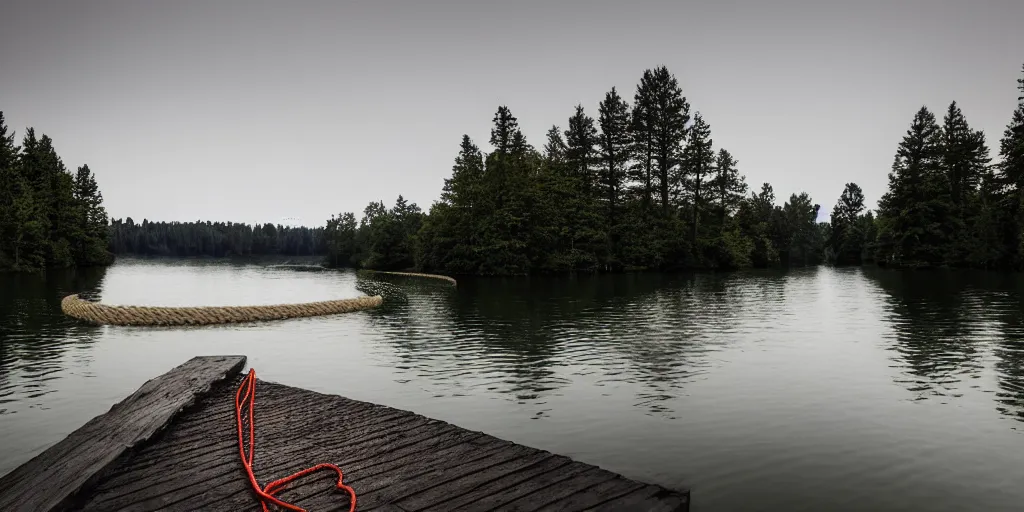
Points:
(556, 477)
(443, 493)
(650, 498)
(542, 496)
(50, 480)
(396, 460)
(503, 484)
(593, 496)
(217, 499)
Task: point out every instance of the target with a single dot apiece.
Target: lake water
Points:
(815, 389)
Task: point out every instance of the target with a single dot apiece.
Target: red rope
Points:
(266, 494)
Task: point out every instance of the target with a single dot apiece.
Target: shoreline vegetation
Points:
(640, 186)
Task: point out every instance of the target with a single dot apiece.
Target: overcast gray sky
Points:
(256, 111)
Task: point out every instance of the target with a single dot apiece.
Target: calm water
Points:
(819, 389)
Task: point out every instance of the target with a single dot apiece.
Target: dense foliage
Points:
(947, 205)
(641, 186)
(637, 187)
(49, 217)
(216, 239)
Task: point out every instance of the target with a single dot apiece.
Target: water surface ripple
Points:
(815, 389)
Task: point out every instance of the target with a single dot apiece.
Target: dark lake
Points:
(815, 389)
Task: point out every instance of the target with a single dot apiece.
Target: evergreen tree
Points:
(965, 159)
(912, 212)
(586, 236)
(1010, 180)
(90, 231)
(614, 143)
(11, 186)
(698, 165)
(580, 155)
(755, 218)
(506, 193)
(641, 128)
(555, 149)
(796, 231)
(504, 131)
(668, 117)
(728, 186)
(847, 234)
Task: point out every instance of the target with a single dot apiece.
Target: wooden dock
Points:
(173, 445)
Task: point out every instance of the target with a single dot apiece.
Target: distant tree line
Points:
(49, 216)
(643, 187)
(214, 239)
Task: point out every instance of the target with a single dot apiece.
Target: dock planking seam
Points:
(540, 482)
(437, 476)
(551, 493)
(459, 453)
(507, 481)
(230, 441)
(594, 495)
(370, 482)
(244, 496)
(467, 484)
(227, 434)
(227, 471)
(226, 466)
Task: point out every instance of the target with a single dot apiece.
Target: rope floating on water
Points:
(266, 494)
(414, 274)
(101, 314)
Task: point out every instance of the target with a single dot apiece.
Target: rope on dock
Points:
(415, 274)
(100, 314)
(267, 494)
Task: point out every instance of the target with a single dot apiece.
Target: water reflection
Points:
(952, 328)
(527, 339)
(34, 333)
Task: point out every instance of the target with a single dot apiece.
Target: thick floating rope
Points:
(414, 274)
(100, 314)
(267, 494)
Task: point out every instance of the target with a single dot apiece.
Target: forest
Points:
(213, 239)
(643, 187)
(49, 216)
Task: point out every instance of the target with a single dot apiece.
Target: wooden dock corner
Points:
(172, 445)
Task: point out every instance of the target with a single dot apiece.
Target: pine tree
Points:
(506, 193)
(965, 158)
(586, 236)
(912, 212)
(670, 114)
(1010, 179)
(91, 234)
(697, 165)
(728, 186)
(555, 149)
(847, 236)
(461, 189)
(580, 139)
(503, 133)
(641, 129)
(340, 236)
(660, 119)
(614, 143)
(10, 188)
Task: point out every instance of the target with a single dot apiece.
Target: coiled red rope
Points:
(266, 494)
